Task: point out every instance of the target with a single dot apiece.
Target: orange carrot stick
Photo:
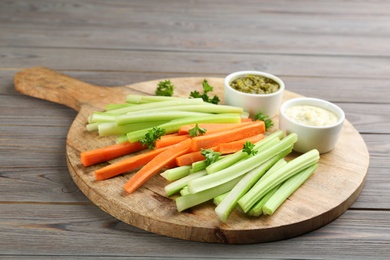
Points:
(210, 127)
(168, 140)
(127, 164)
(156, 164)
(109, 152)
(232, 147)
(211, 140)
(189, 158)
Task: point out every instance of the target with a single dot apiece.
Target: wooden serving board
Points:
(332, 189)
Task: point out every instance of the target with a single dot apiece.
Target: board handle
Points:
(53, 86)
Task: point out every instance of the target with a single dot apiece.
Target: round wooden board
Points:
(332, 189)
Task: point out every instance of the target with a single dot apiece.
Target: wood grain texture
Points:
(332, 190)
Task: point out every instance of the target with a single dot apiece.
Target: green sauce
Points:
(255, 84)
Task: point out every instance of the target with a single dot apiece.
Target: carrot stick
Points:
(189, 158)
(210, 127)
(232, 147)
(211, 140)
(168, 140)
(109, 152)
(156, 164)
(127, 164)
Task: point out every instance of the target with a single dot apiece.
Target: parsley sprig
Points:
(152, 136)
(248, 148)
(165, 88)
(267, 121)
(210, 156)
(196, 131)
(206, 89)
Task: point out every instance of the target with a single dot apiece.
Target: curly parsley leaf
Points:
(152, 136)
(165, 88)
(206, 89)
(210, 156)
(267, 121)
(196, 131)
(248, 148)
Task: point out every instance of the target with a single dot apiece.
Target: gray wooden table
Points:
(335, 50)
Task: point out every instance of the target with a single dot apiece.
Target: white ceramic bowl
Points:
(268, 104)
(322, 138)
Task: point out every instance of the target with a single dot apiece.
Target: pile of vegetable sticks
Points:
(227, 180)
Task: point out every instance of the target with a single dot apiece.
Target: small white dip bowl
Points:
(268, 104)
(324, 137)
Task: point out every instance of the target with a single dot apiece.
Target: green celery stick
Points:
(111, 128)
(239, 155)
(257, 209)
(217, 200)
(191, 200)
(242, 166)
(177, 185)
(225, 208)
(143, 117)
(141, 99)
(176, 173)
(287, 188)
(264, 185)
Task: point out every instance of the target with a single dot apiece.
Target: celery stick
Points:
(176, 173)
(217, 200)
(184, 191)
(191, 200)
(287, 188)
(102, 117)
(257, 209)
(174, 125)
(203, 108)
(117, 106)
(241, 167)
(92, 126)
(121, 139)
(264, 185)
(142, 117)
(111, 128)
(177, 185)
(201, 165)
(237, 156)
(140, 99)
(171, 103)
(225, 208)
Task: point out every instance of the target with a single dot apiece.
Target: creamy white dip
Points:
(311, 115)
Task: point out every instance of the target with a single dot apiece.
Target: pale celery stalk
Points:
(176, 173)
(143, 117)
(111, 128)
(225, 208)
(237, 156)
(191, 200)
(140, 99)
(121, 139)
(217, 200)
(174, 187)
(92, 126)
(202, 165)
(184, 191)
(257, 209)
(151, 105)
(101, 117)
(117, 106)
(264, 185)
(174, 125)
(287, 188)
(203, 108)
(241, 167)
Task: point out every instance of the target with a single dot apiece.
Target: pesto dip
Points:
(255, 84)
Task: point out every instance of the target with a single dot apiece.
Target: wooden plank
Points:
(197, 63)
(85, 231)
(331, 27)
